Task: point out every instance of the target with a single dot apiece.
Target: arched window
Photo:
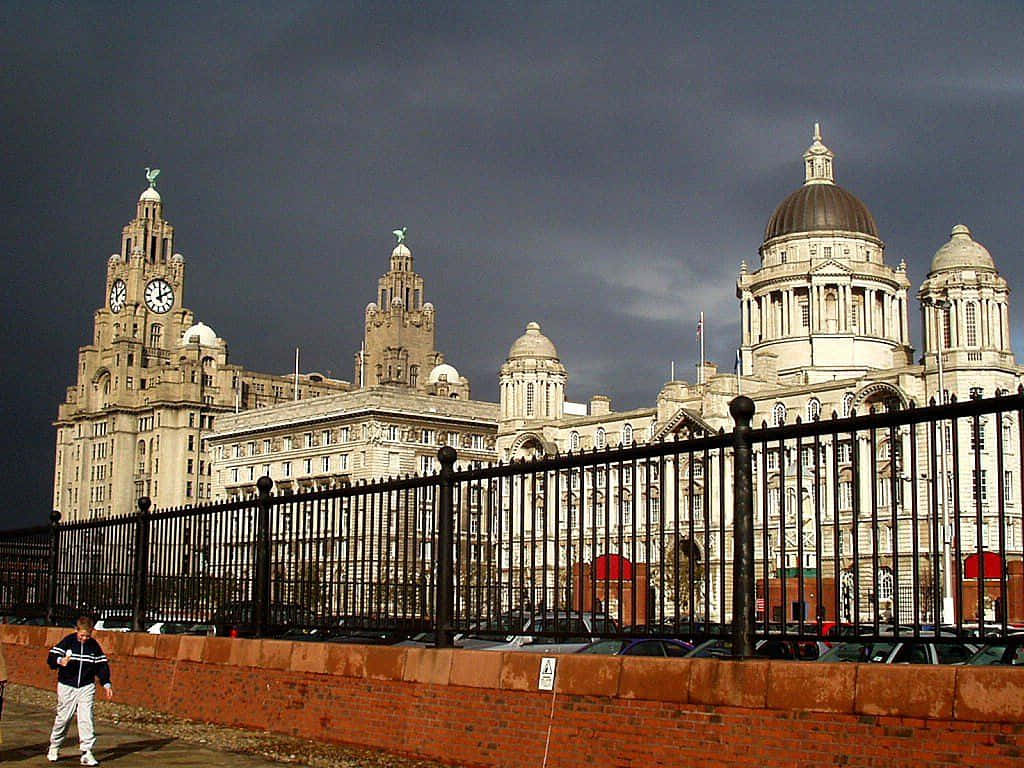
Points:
(599, 439)
(971, 321)
(813, 409)
(885, 583)
(779, 415)
(847, 404)
(529, 399)
(627, 435)
(574, 441)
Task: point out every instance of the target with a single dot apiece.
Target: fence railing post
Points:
(742, 410)
(51, 569)
(141, 571)
(444, 602)
(261, 580)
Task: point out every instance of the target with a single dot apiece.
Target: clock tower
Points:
(150, 384)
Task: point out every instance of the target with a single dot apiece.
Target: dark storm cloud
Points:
(600, 168)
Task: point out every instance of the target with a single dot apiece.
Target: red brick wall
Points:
(480, 708)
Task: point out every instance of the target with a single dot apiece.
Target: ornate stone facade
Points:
(150, 385)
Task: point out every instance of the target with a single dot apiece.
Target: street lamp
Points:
(941, 306)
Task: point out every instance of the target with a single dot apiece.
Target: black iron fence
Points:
(906, 521)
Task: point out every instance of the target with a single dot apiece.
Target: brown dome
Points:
(820, 207)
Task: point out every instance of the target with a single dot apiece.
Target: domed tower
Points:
(532, 380)
(965, 306)
(823, 304)
(398, 347)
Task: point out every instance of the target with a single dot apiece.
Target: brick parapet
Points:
(482, 708)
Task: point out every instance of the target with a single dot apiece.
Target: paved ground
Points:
(132, 737)
(26, 730)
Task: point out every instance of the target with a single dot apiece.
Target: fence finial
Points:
(264, 485)
(742, 410)
(144, 503)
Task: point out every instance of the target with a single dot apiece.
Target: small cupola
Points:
(818, 161)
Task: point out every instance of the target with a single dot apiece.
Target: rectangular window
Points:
(827, 251)
(428, 437)
(307, 466)
(392, 432)
(309, 439)
(343, 435)
(342, 462)
(1007, 485)
(266, 446)
(234, 474)
(325, 437)
(452, 439)
(286, 469)
(978, 435)
(189, 466)
(394, 461)
(236, 450)
(288, 443)
(191, 442)
(426, 465)
(975, 485)
(846, 495)
(477, 442)
(325, 464)
(265, 470)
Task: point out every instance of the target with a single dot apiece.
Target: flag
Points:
(739, 361)
(700, 326)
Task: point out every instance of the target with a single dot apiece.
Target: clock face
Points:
(118, 295)
(159, 296)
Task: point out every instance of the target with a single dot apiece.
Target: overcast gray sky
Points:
(601, 168)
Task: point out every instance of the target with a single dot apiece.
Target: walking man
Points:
(79, 660)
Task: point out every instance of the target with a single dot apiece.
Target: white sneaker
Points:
(53, 755)
(88, 759)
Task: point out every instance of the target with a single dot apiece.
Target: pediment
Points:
(831, 267)
(684, 420)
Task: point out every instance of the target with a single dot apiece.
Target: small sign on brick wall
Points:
(547, 673)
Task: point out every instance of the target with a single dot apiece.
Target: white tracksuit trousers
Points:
(70, 699)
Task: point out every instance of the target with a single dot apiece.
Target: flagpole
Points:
(739, 373)
(700, 337)
(296, 373)
(672, 374)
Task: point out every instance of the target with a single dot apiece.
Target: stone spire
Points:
(818, 161)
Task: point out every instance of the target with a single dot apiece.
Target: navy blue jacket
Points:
(87, 662)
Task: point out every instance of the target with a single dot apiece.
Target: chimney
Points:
(600, 405)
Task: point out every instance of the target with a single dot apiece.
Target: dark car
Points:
(639, 646)
(237, 618)
(767, 648)
(1006, 652)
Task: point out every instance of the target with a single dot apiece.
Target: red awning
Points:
(993, 566)
(612, 567)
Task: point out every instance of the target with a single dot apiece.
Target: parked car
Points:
(766, 648)
(174, 628)
(115, 623)
(235, 618)
(901, 651)
(1008, 652)
(561, 632)
(639, 646)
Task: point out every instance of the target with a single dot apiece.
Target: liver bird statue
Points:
(151, 176)
(398, 233)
